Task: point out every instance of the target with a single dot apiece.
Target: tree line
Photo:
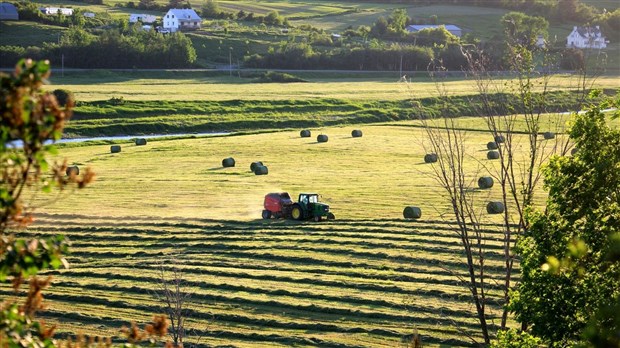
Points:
(130, 48)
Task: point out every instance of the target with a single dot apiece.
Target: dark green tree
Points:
(522, 29)
(568, 280)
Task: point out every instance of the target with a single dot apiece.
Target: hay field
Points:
(363, 178)
(204, 86)
(367, 279)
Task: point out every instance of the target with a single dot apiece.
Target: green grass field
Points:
(146, 86)
(366, 279)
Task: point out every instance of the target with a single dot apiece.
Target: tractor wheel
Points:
(317, 219)
(331, 216)
(296, 212)
(266, 214)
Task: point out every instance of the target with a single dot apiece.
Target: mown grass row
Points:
(300, 284)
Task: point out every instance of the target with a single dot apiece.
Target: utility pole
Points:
(230, 61)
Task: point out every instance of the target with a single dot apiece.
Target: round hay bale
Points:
(115, 148)
(412, 212)
(430, 158)
(322, 138)
(500, 139)
(140, 141)
(549, 135)
(491, 145)
(305, 133)
(356, 133)
(495, 207)
(261, 170)
(485, 182)
(492, 155)
(228, 162)
(72, 170)
(255, 165)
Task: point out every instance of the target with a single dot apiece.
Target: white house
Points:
(181, 19)
(144, 18)
(586, 37)
(56, 10)
(453, 29)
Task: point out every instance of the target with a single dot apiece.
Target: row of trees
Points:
(134, 48)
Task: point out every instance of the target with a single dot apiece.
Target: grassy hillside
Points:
(215, 45)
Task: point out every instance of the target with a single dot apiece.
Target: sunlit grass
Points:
(193, 86)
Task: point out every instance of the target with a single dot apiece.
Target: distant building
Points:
(89, 14)
(144, 18)
(586, 37)
(56, 10)
(540, 41)
(8, 12)
(453, 29)
(181, 19)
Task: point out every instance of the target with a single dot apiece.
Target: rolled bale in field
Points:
(261, 170)
(115, 148)
(140, 141)
(255, 165)
(412, 212)
(356, 133)
(430, 158)
(322, 138)
(549, 135)
(499, 139)
(305, 133)
(491, 145)
(228, 162)
(72, 170)
(485, 182)
(495, 207)
(492, 155)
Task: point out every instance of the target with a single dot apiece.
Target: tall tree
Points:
(522, 29)
(32, 117)
(572, 238)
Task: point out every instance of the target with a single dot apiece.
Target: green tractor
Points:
(307, 207)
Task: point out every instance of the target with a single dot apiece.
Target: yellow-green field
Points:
(193, 86)
(373, 177)
(367, 279)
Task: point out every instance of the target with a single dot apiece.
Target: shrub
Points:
(273, 76)
(62, 96)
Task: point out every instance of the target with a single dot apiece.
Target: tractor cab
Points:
(309, 207)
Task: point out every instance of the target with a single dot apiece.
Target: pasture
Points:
(208, 85)
(367, 279)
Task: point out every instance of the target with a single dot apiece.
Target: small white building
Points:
(141, 17)
(453, 29)
(56, 10)
(586, 37)
(89, 14)
(181, 19)
(541, 42)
